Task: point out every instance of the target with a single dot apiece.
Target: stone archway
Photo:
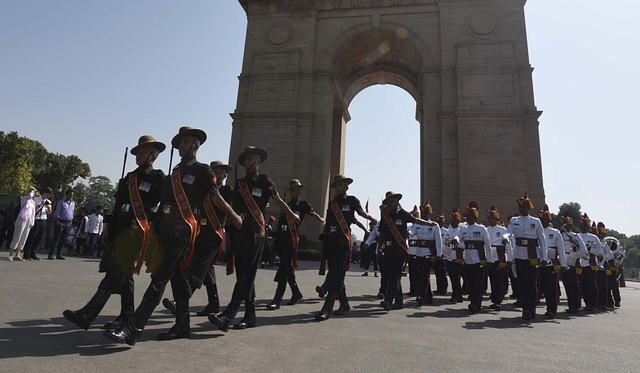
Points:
(464, 62)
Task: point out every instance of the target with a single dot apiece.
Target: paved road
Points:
(34, 337)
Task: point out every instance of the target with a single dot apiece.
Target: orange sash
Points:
(141, 217)
(215, 221)
(344, 227)
(187, 215)
(253, 208)
(294, 237)
(395, 232)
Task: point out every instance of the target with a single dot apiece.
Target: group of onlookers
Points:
(34, 225)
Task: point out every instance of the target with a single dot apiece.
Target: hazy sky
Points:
(89, 77)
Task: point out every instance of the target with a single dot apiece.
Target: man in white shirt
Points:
(455, 257)
(549, 275)
(93, 228)
(439, 267)
(43, 210)
(502, 258)
(589, 265)
(574, 249)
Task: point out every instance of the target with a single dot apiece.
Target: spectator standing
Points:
(43, 210)
(23, 224)
(8, 221)
(93, 228)
(63, 217)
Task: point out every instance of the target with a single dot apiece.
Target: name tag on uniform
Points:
(166, 209)
(144, 186)
(497, 234)
(203, 221)
(476, 234)
(398, 222)
(346, 208)
(551, 235)
(532, 226)
(430, 229)
(284, 227)
(256, 192)
(188, 179)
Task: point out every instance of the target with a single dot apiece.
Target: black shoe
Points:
(274, 305)
(453, 300)
(342, 309)
(365, 274)
(170, 305)
(459, 300)
(321, 292)
(420, 301)
(518, 303)
(50, 257)
(375, 274)
(603, 308)
(472, 308)
(176, 332)
(209, 309)
(222, 321)
(126, 334)
(572, 310)
(550, 315)
(590, 309)
(617, 304)
(385, 305)
(428, 301)
(496, 307)
(59, 257)
(78, 318)
(117, 323)
(322, 315)
(397, 306)
(35, 258)
(245, 323)
(380, 296)
(294, 299)
(526, 315)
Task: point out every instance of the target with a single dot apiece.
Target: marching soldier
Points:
(427, 241)
(574, 249)
(528, 235)
(549, 274)
(454, 255)
(137, 194)
(337, 243)
(393, 232)
(604, 269)
(207, 245)
(440, 265)
(614, 262)
(474, 238)
(287, 244)
(185, 192)
(250, 198)
(502, 258)
(589, 264)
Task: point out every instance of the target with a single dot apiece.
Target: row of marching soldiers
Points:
(526, 250)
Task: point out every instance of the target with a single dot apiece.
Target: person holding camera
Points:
(23, 224)
(43, 210)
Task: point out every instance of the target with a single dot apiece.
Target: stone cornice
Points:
(270, 6)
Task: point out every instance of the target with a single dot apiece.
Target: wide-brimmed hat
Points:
(295, 183)
(215, 164)
(148, 140)
(188, 131)
(252, 149)
(389, 195)
(341, 178)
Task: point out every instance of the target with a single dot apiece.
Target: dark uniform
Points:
(394, 254)
(285, 248)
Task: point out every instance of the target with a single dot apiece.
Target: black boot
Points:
(275, 303)
(181, 329)
(132, 330)
(214, 302)
(85, 316)
(296, 294)
(249, 319)
(327, 308)
(344, 304)
(126, 310)
(170, 305)
(224, 319)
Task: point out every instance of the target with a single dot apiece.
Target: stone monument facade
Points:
(465, 62)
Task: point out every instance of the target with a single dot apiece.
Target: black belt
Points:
(64, 221)
(526, 242)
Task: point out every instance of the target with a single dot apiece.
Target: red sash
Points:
(344, 227)
(395, 232)
(185, 211)
(294, 237)
(141, 217)
(253, 208)
(215, 221)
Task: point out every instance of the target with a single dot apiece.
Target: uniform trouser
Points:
(603, 289)
(455, 271)
(384, 274)
(185, 282)
(34, 238)
(497, 276)
(466, 280)
(614, 287)
(210, 281)
(441, 276)
(528, 282)
(247, 251)
(126, 249)
(336, 248)
(423, 275)
(174, 248)
(414, 282)
(551, 287)
(476, 276)
(515, 287)
(589, 287)
(60, 233)
(285, 272)
(394, 261)
(369, 256)
(571, 288)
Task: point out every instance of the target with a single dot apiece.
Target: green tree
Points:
(573, 207)
(18, 157)
(632, 259)
(60, 172)
(101, 192)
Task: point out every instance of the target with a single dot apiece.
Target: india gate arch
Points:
(465, 62)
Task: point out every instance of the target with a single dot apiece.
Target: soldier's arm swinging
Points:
(282, 204)
(319, 218)
(224, 206)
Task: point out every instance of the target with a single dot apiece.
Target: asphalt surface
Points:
(34, 337)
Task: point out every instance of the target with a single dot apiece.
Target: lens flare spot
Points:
(384, 48)
(402, 33)
(366, 62)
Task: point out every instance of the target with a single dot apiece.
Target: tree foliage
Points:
(100, 192)
(18, 157)
(60, 172)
